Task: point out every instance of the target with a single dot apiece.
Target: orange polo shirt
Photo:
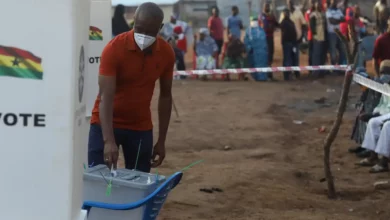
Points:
(136, 74)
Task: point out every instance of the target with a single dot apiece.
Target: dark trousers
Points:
(318, 56)
(336, 49)
(129, 140)
(220, 45)
(271, 49)
(290, 56)
(310, 52)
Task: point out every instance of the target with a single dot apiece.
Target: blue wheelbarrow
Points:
(152, 204)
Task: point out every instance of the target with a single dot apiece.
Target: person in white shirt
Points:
(377, 136)
(334, 17)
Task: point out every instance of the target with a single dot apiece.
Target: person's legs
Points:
(342, 56)
(270, 44)
(220, 45)
(373, 132)
(134, 141)
(295, 57)
(96, 144)
(201, 63)
(287, 59)
(332, 45)
(318, 50)
(383, 149)
(383, 145)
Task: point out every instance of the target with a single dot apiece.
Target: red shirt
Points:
(307, 18)
(181, 43)
(348, 18)
(136, 74)
(215, 24)
(382, 48)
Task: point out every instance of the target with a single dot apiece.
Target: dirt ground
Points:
(273, 166)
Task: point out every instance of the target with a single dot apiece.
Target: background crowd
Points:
(226, 43)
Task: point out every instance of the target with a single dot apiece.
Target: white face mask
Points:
(254, 24)
(143, 41)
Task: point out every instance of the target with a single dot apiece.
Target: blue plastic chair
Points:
(153, 202)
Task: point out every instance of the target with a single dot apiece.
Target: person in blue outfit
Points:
(256, 46)
(234, 23)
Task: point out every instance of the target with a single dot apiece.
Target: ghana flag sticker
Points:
(15, 62)
(95, 33)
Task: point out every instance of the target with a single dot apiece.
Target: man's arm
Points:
(107, 85)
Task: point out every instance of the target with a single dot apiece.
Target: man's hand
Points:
(111, 154)
(158, 154)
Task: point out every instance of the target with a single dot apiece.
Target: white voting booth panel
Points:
(99, 35)
(43, 57)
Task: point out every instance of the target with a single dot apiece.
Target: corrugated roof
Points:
(134, 3)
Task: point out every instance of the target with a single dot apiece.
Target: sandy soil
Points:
(273, 167)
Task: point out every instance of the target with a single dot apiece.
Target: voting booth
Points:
(100, 33)
(43, 66)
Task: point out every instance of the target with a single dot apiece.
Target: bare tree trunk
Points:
(352, 60)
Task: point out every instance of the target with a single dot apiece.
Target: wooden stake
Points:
(352, 60)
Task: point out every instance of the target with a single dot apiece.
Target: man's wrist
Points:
(161, 139)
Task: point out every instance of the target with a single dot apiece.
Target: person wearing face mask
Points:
(256, 46)
(131, 63)
(119, 24)
(377, 126)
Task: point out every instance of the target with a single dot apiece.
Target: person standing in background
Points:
(348, 14)
(381, 14)
(119, 24)
(269, 24)
(334, 17)
(382, 48)
(234, 23)
(167, 31)
(309, 35)
(289, 39)
(181, 39)
(215, 26)
(299, 21)
(233, 55)
(256, 46)
(318, 28)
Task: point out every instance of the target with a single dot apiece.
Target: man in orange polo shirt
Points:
(131, 63)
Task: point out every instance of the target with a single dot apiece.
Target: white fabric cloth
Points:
(373, 132)
(205, 63)
(383, 145)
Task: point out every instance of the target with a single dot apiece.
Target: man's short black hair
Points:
(234, 8)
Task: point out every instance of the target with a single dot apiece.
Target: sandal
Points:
(378, 169)
(366, 163)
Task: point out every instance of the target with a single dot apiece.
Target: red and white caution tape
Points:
(262, 70)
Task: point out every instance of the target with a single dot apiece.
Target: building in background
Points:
(168, 6)
(194, 12)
